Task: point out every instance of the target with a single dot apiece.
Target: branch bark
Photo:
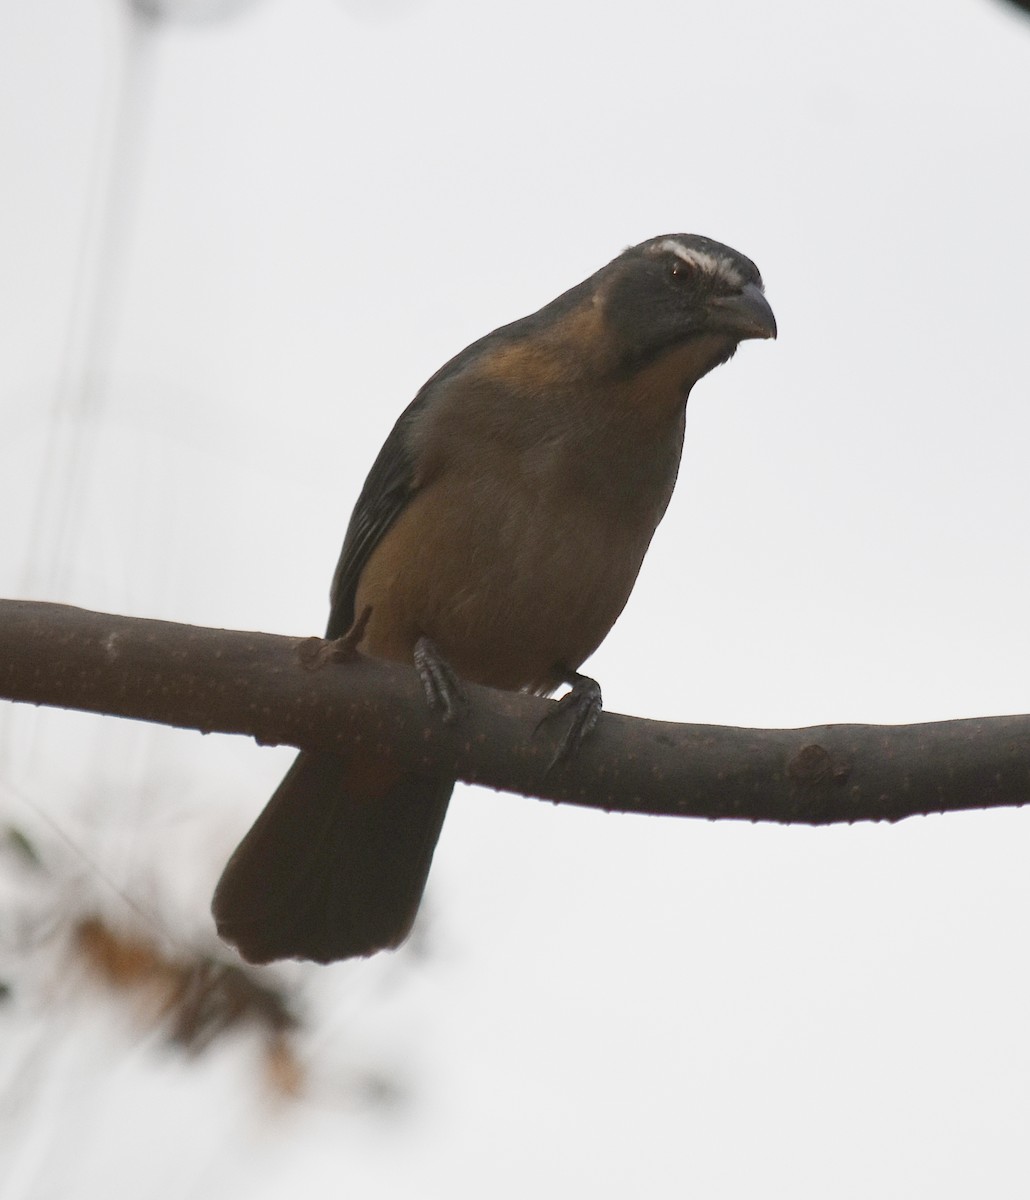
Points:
(281, 690)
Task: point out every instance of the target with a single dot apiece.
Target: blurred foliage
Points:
(195, 996)
(195, 999)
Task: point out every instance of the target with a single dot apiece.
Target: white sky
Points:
(322, 201)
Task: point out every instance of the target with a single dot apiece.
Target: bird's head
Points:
(680, 303)
(634, 337)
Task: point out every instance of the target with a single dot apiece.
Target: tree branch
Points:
(282, 690)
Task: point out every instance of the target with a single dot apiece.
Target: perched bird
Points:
(498, 536)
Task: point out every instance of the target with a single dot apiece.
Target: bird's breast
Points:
(515, 565)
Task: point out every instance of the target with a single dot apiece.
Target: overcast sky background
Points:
(317, 203)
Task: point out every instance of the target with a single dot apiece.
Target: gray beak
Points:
(746, 314)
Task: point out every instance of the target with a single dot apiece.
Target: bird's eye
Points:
(680, 271)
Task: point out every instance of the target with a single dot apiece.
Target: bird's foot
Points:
(444, 692)
(581, 706)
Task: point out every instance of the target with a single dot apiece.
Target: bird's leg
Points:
(444, 692)
(582, 705)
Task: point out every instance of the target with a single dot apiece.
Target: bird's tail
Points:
(335, 865)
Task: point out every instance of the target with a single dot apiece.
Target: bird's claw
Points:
(582, 707)
(444, 692)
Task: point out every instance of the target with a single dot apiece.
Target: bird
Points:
(495, 541)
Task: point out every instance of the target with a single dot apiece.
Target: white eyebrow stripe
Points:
(703, 261)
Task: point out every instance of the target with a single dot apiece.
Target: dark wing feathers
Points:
(387, 490)
(391, 482)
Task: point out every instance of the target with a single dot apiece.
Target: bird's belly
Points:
(512, 588)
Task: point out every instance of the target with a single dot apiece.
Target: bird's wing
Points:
(389, 487)
(387, 491)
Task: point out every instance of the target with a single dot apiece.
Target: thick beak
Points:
(746, 314)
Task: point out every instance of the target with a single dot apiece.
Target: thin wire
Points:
(79, 398)
(80, 393)
(153, 918)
